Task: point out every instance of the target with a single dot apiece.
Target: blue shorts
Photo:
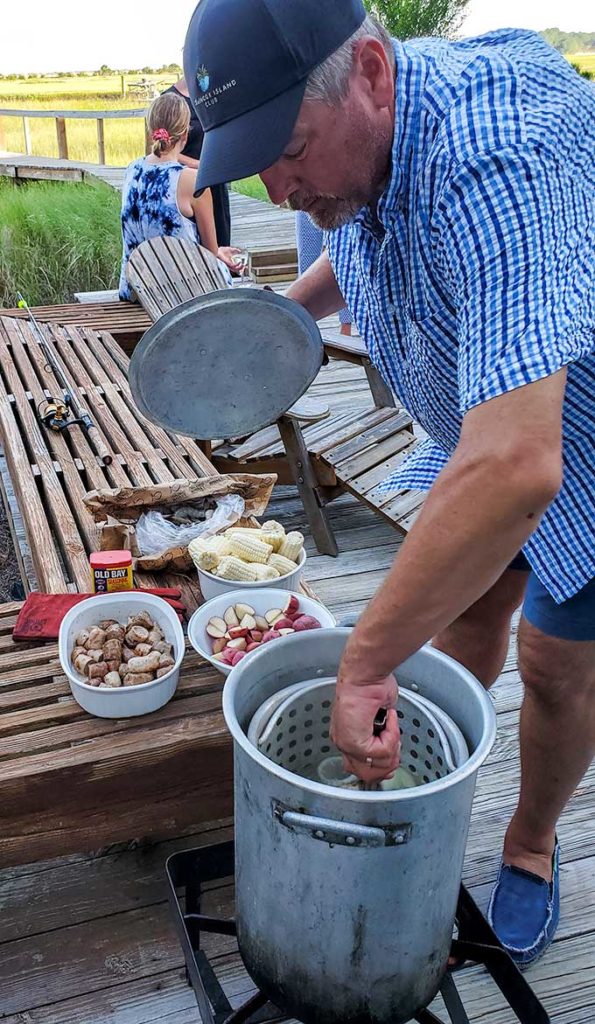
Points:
(574, 619)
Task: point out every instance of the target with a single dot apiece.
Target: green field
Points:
(124, 139)
(76, 85)
(586, 61)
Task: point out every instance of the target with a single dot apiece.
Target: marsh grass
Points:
(57, 238)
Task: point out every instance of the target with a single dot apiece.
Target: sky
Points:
(74, 35)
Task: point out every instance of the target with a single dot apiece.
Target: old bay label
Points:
(111, 571)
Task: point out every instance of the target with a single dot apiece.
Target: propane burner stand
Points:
(190, 871)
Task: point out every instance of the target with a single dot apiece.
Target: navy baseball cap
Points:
(246, 64)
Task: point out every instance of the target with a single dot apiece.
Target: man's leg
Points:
(557, 741)
(557, 663)
(479, 638)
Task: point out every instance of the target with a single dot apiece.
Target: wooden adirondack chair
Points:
(324, 455)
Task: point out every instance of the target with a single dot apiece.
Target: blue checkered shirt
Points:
(475, 273)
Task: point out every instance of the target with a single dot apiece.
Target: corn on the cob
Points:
(250, 549)
(207, 552)
(264, 572)
(281, 564)
(292, 546)
(243, 531)
(231, 568)
(273, 533)
(207, 560)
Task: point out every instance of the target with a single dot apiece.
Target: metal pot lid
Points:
(225, 364)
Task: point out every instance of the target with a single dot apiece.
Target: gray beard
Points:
(329, 214)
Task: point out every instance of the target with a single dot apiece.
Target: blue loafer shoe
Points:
(524, 910)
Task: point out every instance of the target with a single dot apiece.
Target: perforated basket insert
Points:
(298, 738)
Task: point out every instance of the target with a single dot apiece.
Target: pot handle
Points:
(342, 833)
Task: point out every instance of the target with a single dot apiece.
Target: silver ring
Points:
(370, 761)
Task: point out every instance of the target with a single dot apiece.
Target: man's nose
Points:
(278, 183)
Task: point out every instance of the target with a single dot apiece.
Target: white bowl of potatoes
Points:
(230, 627)
(245, 558)
(121, 653)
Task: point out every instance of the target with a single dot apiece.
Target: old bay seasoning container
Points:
(111, 571)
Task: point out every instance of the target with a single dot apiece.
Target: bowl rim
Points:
(261, 591)
(256, 584)
(74, 677)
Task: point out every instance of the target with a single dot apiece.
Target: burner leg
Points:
(243, 1013)
(452, 1001)
(478, 942)
(427, 1017)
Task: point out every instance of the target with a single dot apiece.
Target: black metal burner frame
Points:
(189, 870)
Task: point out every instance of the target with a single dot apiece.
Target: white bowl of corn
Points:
(249, 558)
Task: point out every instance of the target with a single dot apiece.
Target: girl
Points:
(157, 195)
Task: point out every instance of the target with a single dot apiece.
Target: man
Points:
(190, 156)
(457, 183)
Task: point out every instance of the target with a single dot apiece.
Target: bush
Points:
(406, 19)
(57, 238)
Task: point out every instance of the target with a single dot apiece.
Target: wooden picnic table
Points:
(125, 321)
(51, 472)
(70, 782)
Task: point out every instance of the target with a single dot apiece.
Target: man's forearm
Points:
(317, 290)
(472, 525)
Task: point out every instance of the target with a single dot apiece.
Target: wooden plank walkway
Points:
(266, 231)
(89, 940)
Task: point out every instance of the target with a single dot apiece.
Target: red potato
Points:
(283, 623)
(271, 634)
(219, 645)
(216, 627)
(239, 644)
(272, 615)
(237, 631)
(230, 616)
(238, 657)
(261, 623)
(285, 632)
(256, 635)
(305, 622)
(243, 609)
(291, 607)
(253, 647)
(228, 655)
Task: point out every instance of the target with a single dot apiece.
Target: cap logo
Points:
(210, 93)
(203, 79)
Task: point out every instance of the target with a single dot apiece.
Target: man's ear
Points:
(374, 72)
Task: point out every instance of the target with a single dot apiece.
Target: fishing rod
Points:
(56, 413)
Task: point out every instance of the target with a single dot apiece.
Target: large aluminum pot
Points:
(345, 900)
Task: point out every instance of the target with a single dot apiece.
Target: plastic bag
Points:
(155, 533)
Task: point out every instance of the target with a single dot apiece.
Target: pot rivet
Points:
(350, 841)
(319, 834)
(399, 838)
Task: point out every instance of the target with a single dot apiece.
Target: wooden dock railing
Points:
(61, 117)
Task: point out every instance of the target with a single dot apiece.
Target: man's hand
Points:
(370, 757)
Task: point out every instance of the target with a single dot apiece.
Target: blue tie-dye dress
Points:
(150, 208)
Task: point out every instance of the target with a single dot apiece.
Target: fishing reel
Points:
(54, 414)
